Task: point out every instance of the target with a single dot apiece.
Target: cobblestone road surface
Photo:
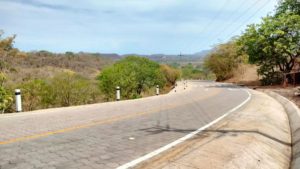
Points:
(111, 134)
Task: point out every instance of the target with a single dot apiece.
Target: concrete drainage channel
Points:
(293, 113)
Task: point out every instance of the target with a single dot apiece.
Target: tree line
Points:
(273, 45)
(70, 82)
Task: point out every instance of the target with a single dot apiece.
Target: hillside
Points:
(45, 64)
(49, 80)
(41, 64)
(180, 58)
(163, 58)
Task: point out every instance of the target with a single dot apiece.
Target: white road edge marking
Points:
(182, 139)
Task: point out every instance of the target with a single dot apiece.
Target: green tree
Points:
(133, 74)
(224, 59)
(273, 45)
(288, 6)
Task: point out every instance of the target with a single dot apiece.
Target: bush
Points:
(170, 74)
(69, 88)
(133, 74)
(5, 96)
(64, 89)
(224, 59)
(33, 94)
(191, 72)
(5, 99)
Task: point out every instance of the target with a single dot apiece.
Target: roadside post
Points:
(157, 90)
(18, 100)
(118, 96)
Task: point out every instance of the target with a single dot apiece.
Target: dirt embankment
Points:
(247, 74)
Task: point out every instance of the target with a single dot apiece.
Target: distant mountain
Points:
(203, 53)
(180, 57)
(163, 57)
(113, 56)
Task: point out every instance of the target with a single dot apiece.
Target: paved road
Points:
(257, 136)
(111, 134)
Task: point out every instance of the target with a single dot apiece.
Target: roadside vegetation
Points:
(193, 70)
(273, 45)
(50, 80)
(134, 75)
(63, 89)
(170, 74)
(224, 59)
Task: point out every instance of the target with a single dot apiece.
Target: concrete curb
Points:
(293, 113)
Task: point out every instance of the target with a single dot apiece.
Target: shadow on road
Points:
(161, 129)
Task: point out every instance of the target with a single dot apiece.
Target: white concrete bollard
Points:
(18, 100)
(118, 93)
(157, 90)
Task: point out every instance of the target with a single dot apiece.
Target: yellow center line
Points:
(100, 122)
(105, 121)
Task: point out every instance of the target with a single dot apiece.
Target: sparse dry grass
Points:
(44, 65)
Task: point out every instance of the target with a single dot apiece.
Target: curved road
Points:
(111, 134)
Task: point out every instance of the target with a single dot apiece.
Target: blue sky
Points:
(128, 26)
